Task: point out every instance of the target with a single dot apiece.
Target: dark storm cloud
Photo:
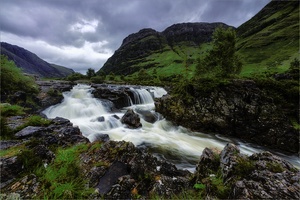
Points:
(74, 31)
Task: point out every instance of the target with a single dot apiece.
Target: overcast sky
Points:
(82, 34)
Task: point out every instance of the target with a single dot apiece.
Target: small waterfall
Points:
(141, 96)
(174, 143)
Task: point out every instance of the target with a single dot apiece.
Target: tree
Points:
(90, 73)
(223, 55)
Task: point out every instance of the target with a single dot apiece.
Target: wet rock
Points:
(30, 131)
(100, 119)
(102, 137)
(51, 92)
(131, 119)
(119, 96)
(10, 168)
(147, 115)
(116, 170)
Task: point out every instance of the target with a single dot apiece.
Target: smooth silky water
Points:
(175, 144)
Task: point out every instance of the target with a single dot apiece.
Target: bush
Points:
(12, 79)
(97, 79)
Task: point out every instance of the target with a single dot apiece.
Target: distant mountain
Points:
(162, 50)
(269, 40)
(31, 63)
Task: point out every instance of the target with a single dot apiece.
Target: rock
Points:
(5, 144)
(44, 153)
(241, 108)
(100, 119)
(15, 121)
(101, 137)
(208, 163)
(116, 170)
(10, 169)
(147, 115)
(30, 131)
(131, 119)
(260, 176)
(28, 187)
(19, 97)
(118, 95)
(228, 161)
(167, 186)
(51, 92)
(130, 172)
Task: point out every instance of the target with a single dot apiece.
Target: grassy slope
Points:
(173, 60)
(270, 40)
(267, 43)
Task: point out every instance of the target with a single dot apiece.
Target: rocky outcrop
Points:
(138, 46)
(51, 92)
(240, 109)
(260, 176)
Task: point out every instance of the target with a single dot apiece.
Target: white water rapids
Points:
(173, 143)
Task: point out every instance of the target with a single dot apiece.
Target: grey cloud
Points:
(50, 21)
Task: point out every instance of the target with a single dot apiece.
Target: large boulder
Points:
(131, 119)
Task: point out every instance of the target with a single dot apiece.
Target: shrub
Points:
(12, 79)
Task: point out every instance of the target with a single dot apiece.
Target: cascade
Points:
(174, 143)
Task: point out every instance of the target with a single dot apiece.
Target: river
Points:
(176, 144)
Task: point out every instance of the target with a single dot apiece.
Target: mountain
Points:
(161, 50)
(271, 38)
(31, 63)
(268, 41)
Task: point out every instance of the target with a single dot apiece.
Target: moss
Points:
(275, 167)
(244, 167)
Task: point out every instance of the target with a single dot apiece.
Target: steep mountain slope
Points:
(267, 42)
(161, 50)
(31, 63)
(271, 38)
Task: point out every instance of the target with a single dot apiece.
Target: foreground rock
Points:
(260, 176)
(240, 109)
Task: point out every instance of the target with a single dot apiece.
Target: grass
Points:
(11, 110)
(62, 178)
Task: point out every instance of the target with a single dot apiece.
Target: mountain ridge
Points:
(137, 46)
(30, 63)
(269, 41)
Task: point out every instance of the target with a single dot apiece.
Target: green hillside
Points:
(270, 40)
(267, 43)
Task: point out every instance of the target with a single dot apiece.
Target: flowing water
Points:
(173, 143)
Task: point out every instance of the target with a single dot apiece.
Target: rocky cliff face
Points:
(240, 109)
(136, 47)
